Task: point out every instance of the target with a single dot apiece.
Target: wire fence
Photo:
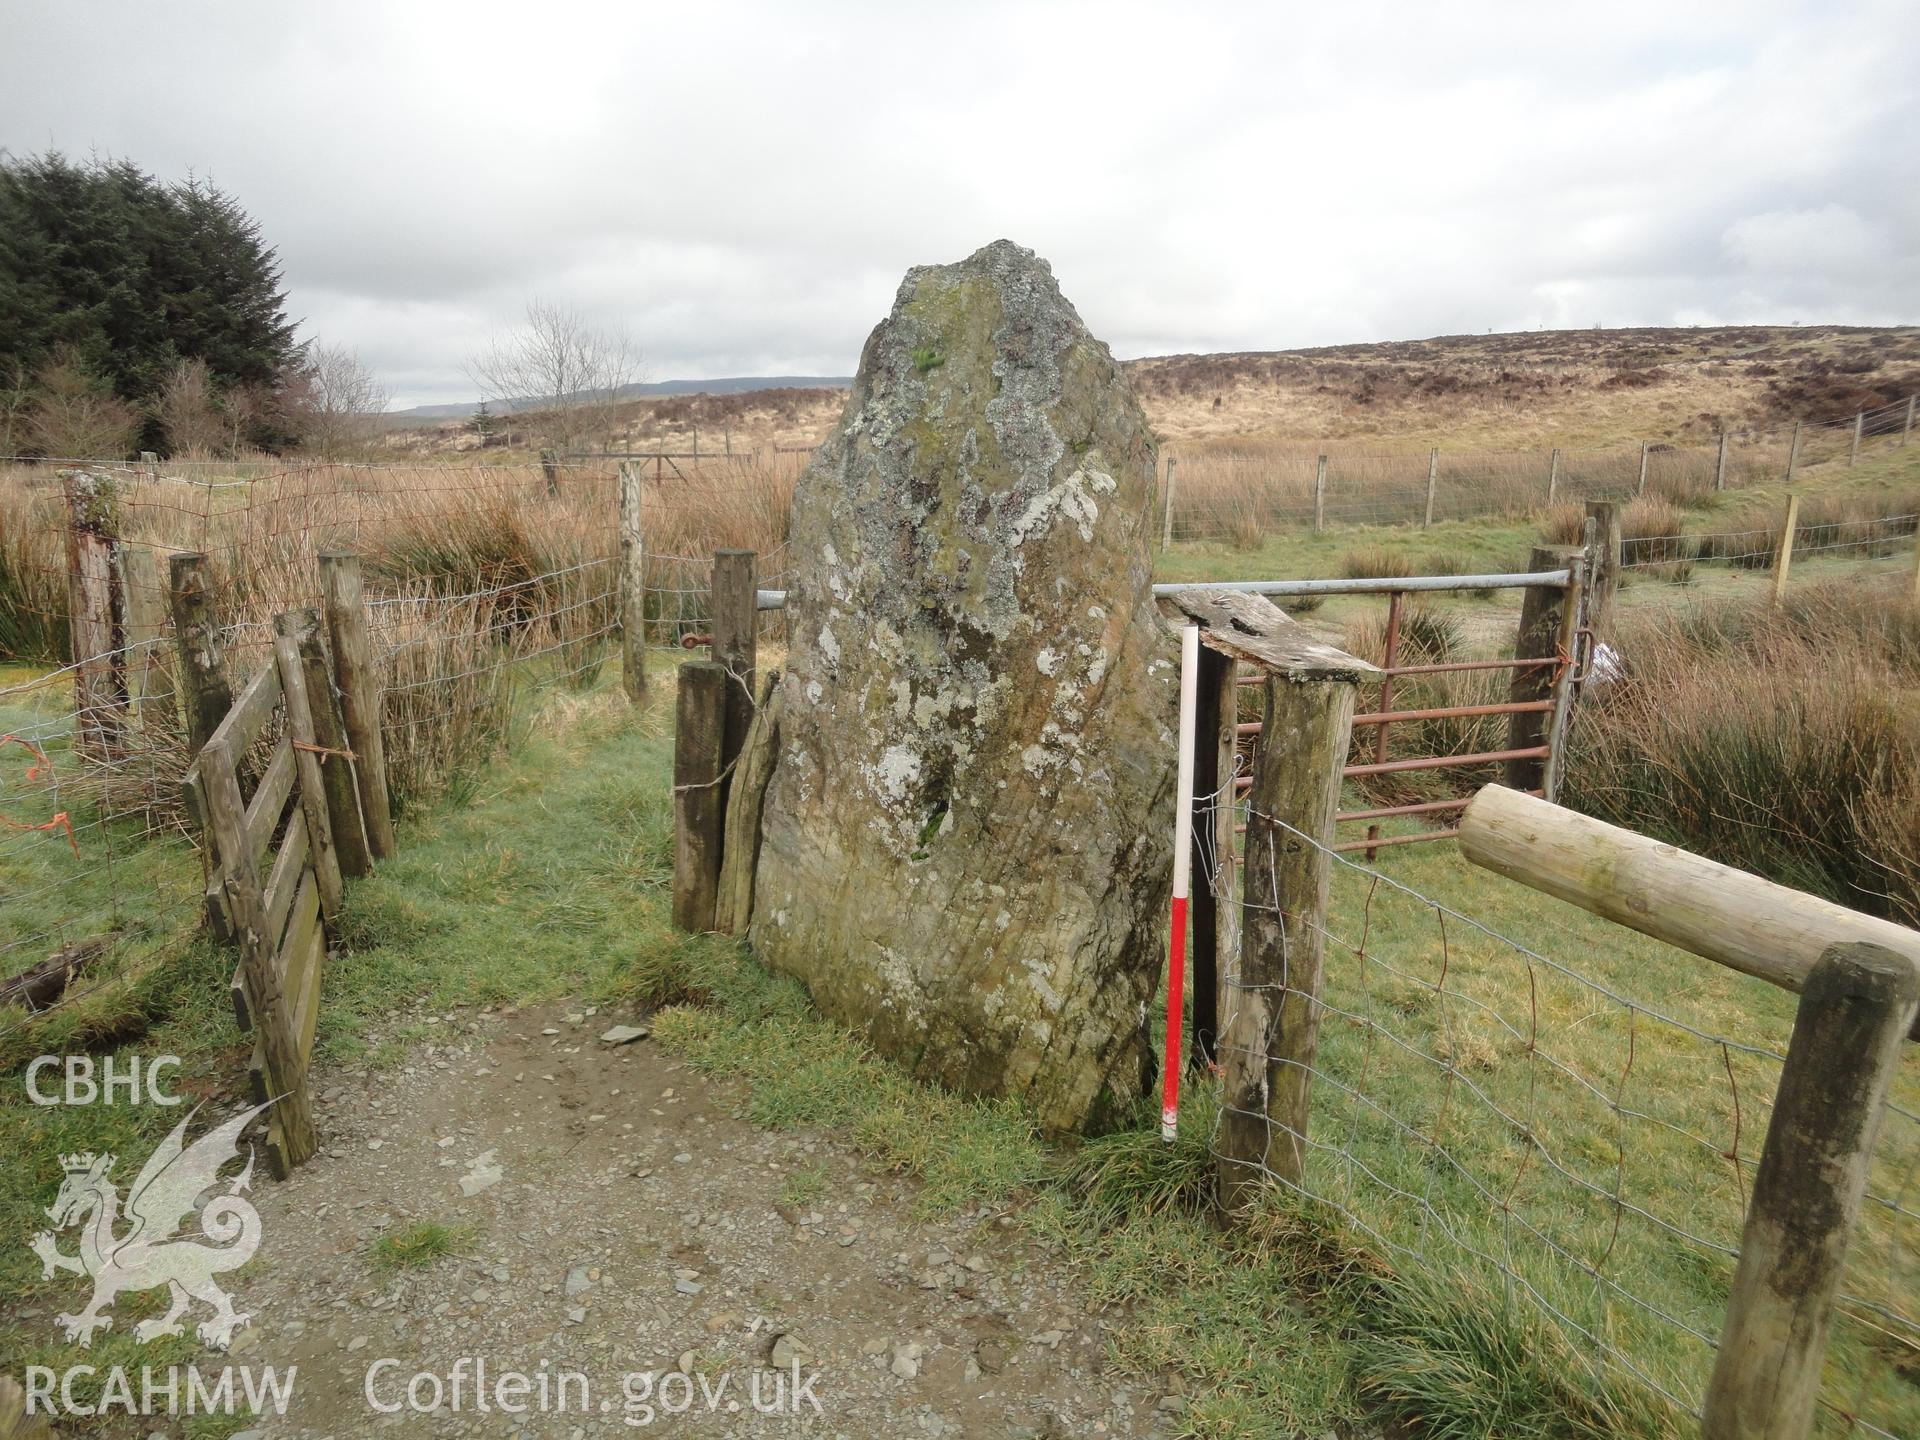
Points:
(1823, 526)
(480, 580)
(1568, 1140)
(1240, 492)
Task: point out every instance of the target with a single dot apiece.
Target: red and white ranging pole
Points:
(1182, 880)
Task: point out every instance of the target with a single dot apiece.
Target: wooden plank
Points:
(307, 966)
(740, 850)
(350, 846)
(213, 894)
(250, 713)
(269, 803)
(360, 697)
(260, 971)
(290, 875)
(1251, 628)
(1717, 912)
(318, 826)
(299, 969)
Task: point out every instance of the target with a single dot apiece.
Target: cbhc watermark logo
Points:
(115, 1080)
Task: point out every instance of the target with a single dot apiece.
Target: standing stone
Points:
(966, 843)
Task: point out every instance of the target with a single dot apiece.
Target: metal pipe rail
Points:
(1440, 712)
(1382, 586)
(777, 599)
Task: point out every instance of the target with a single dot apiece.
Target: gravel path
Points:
(618, 1217)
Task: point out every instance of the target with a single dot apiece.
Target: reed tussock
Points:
(478, 578)
(1426, 637)
(1784, 742)
(1236, 490)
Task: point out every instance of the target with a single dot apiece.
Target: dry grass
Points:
(1584, 389)
(470, 571)
(1784, 742)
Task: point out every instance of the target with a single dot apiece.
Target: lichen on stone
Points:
(967, 830)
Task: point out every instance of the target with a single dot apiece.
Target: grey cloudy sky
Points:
(743, 184)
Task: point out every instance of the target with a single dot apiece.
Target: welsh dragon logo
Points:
(150, 1252)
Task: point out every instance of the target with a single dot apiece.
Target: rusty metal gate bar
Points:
(1384, 715)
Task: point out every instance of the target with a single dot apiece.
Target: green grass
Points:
(804, 1187)
(420, 1245)
(1888, 480)
(552, 881)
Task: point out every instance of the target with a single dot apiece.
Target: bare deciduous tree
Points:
(562, 365)
(188, 409)
(247, 407)
(16, 401)
(75, 416)
(338, 401)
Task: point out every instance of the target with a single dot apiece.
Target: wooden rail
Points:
(1722, 914)
(274, 875)
(1858, 978)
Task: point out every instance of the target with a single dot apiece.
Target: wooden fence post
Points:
(1433, 481)
(96, 613)
(260, 976)
(313, 799)
(1640, 487)
(1166, 524)
(1603, 579)
(150, 677)
(1854, 1015)
(1907, 429)
(1544, 618)
(700, 711)
(550, 469)
(1793, 452)
(1553, 475)
(1272, 1026)
(1853, 455)
(1783, 548)
(1320, 495)
(196, 632)
(359, 690)
(736, 643)
(1573, 612)
(151, 460)
(336, 773)
(633, 585)
(1720, 464)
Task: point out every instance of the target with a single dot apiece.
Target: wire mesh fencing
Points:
(1239, 492)
(1551, 1117)
(479, 581)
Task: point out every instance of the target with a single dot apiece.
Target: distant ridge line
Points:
(732, 385)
